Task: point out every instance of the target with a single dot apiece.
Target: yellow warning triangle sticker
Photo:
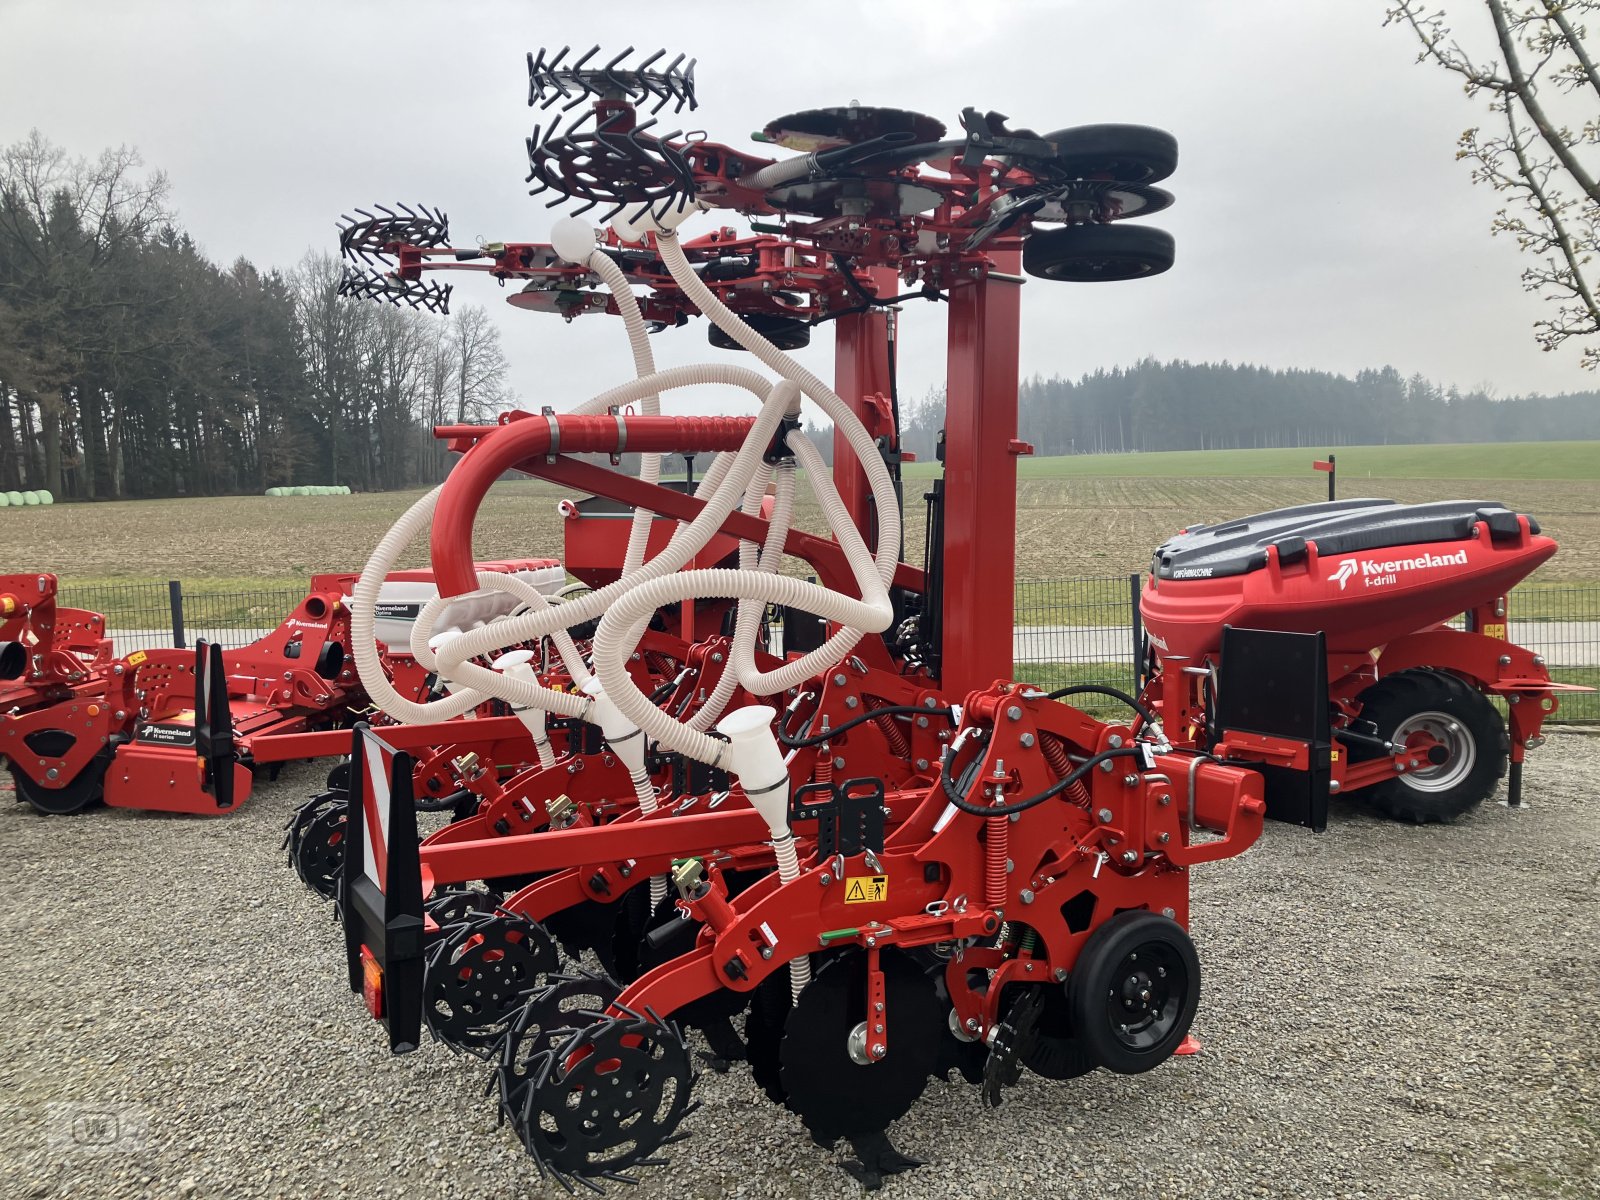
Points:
(856, 891)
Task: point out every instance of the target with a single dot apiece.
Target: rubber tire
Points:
(1129, 153)
(1095, 972)
(1097, 253)
(1393, 701)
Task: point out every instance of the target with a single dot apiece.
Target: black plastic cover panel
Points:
(1339, 527)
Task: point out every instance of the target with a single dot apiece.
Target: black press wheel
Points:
(1097, 253)
(1464, 767)
(1133, 991)
(1125, 153)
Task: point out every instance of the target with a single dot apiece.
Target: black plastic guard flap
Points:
(1276, 684)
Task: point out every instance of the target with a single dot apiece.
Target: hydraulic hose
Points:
(953, 792)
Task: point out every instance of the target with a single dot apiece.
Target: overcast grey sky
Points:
(1321, 220)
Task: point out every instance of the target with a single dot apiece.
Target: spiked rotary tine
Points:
(610, 72)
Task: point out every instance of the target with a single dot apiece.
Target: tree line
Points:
(131, 365)
(1224, 406)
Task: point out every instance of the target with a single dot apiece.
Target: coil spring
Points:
(1056, 755)
(995, 883)
(892, 733)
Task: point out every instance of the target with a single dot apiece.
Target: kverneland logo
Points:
(1385, 571)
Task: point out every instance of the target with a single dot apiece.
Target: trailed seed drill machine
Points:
(891, 857)
(1405, 717)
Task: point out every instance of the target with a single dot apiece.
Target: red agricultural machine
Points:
(891, 857)
(152, 730)
(167, 730)
(1403, 715)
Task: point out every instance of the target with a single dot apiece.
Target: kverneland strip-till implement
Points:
(890, 856)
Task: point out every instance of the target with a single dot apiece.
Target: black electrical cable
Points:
(1055, 789)
(1098, 689)
(889, 710)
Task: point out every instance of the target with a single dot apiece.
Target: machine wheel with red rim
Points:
(1466, 757)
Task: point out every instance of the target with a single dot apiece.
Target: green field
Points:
(1478, 461)
(1079, 517)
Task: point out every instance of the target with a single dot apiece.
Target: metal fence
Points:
(149, 616)
(1067, 631)
(1079, 631)
(1088, 631)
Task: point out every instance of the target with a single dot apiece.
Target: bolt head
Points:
(1105, 816)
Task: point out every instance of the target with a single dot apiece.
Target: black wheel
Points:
(1133, 992)
(1464, 768)
(1125, 153)
(785, 333)
(1097, 253)
(74, 797)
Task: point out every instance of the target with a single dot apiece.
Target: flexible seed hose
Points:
(747, 623)
(687, 541)
(612, 643)
(644, 364)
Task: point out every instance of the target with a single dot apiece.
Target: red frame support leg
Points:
(980, 471)
(861, 369)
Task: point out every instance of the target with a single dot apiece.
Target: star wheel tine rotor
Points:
(554, 79)
(455, 904)
(303, 815)
(376, 285)
(608, 160)
(371, 237)
(838, 1091)
(548, 1018)
(477, 974)
(607, 1099)
(315, 840)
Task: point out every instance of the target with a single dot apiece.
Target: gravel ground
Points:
(1389, 1012)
